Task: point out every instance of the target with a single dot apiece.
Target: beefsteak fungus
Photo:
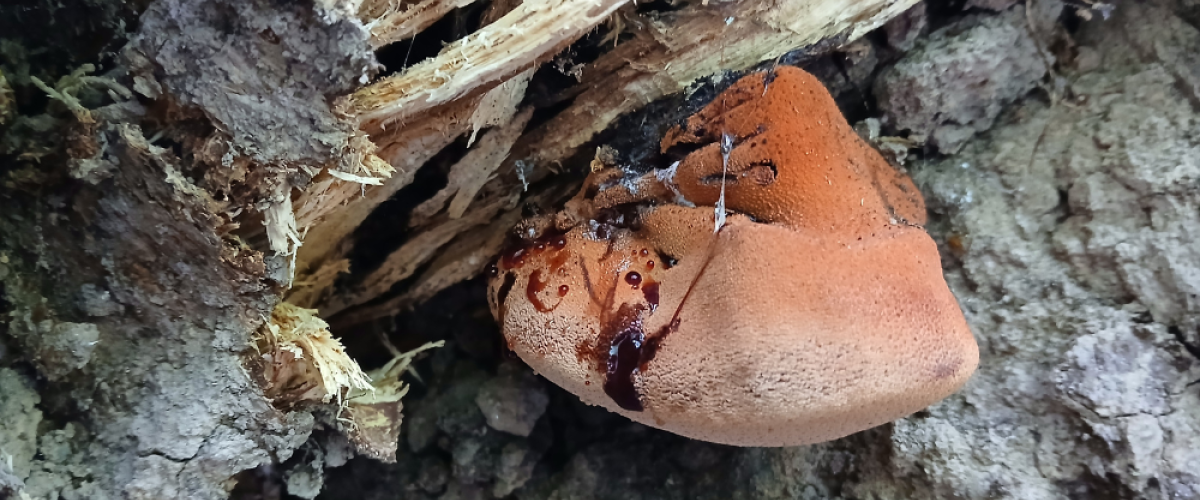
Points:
(775, 287)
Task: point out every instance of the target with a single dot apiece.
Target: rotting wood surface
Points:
(414, 115)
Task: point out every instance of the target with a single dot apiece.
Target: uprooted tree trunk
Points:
(157, 208)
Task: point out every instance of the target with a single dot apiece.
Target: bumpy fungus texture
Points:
(816, 311)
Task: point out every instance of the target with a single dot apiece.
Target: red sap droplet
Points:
(649, 264)
(562, 290)
(645, 252)
(560, 242)
(633, 278)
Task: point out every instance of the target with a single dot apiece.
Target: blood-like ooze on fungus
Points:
(816, 310)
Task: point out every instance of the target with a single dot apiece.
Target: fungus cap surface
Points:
(816, 311)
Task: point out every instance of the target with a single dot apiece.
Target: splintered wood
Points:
(472, 89)
(523, 37)
(391, 21)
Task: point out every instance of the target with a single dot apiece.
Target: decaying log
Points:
(414, 115)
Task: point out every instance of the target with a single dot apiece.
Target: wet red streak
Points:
(536, 285)
(557, 259)
(623, 336)
(650, 291)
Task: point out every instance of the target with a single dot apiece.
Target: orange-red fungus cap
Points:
(817, 310)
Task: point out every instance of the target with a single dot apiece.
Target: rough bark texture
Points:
(135, 265)
(138, 335)
(129, 300)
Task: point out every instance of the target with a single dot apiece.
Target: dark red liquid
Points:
(536, 285)
(557, 259)
(516, 255)
(624, 356)
(650, 291)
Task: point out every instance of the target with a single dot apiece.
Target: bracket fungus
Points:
(815, 310)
